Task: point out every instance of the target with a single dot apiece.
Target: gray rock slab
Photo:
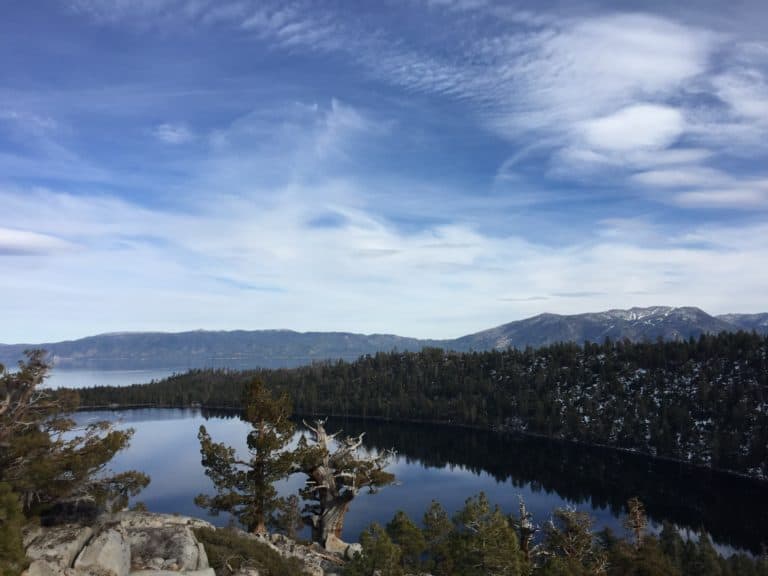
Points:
(130, 519)
(202, 557)
(175, 544)
(44, 568)
(206, 572)
(109, 552)
(203, 572)
(59, 545)
(154, 573)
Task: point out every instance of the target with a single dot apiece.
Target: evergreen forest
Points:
(701, 401)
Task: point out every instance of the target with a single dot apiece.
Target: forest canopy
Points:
(703, 401)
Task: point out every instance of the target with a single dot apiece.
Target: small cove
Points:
(452, 464)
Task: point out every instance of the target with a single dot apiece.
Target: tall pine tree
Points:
(246, 487)
(45, 455)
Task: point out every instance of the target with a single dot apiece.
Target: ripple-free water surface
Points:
(83, 378)
(450, 464)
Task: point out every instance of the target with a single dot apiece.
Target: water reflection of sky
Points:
(165, 446)
(60, 378)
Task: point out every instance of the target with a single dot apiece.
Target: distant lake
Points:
(451, 464)
(62, 378)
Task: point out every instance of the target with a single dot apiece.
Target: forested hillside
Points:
(700, 401)
(210, 349)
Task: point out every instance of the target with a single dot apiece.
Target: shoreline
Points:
(115, 407)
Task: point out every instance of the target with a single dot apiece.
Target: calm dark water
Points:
(449, 465)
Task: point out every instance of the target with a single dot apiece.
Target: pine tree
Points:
(380, 556)
(671, 543)
(706, 561)
(12, 558)
(569, 542)
(408, 537)
(438, 531)
(246, 487)
(288, 521)
(487, 543)
(624, 559)
(45, 456)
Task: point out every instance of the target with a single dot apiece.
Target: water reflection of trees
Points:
(733, 510)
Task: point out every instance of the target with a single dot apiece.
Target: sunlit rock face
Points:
(144, 544)
(119, 545)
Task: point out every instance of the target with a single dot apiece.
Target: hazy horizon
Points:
(351, 331)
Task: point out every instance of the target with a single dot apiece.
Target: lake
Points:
(451, 464)
(61, 378)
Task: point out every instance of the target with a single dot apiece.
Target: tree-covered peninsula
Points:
(702, 401)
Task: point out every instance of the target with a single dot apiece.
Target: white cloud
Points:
(29, 123)
(173, 133)
(608, 93)
(37, 149)
(458, 4)
(743, 84)
(24, 242)
(586, 69)
(140, 269)
(637, 127)
(145, 12)
(701, 187)
(686, 176)
(746, 92)
(741, 198)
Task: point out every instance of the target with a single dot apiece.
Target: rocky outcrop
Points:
(123, 544)
(56, 547)
(343, 549)
(146, 544)
(108, 552)
(317, 560)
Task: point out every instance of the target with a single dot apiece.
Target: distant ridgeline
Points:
(702, 401)
(247, 349)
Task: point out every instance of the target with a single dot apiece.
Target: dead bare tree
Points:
(527, 530)
(336, 473)
(636, 521)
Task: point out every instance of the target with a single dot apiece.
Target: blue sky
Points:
(421, 167)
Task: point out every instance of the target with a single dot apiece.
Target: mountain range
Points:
(285, 348)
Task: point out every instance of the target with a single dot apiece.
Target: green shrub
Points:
(12, 558)
(380, 556)
(227, 548)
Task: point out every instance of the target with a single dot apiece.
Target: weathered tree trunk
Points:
(330, 521)
(335, 478)
(333, 497)
(260, 529)
(527, 530)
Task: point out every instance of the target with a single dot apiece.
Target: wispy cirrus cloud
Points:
(296, 23)
(15, 242)
(143, 12)
(173, 133)
(138, 283)
(385, 159)
(599, 94)
(304, 237)
(28, 123)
